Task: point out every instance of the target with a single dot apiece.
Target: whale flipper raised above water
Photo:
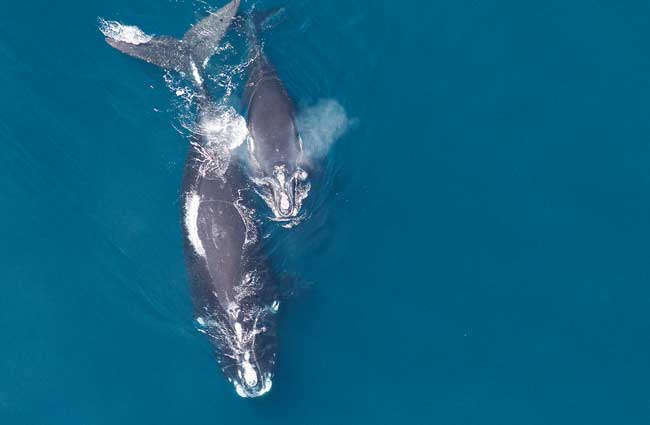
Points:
(191, 53)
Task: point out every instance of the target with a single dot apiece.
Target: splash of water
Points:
(223, 125)
(321, 125)
(230, 75)
(223, 130)
(126, 33)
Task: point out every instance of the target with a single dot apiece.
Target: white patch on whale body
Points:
(126, 33)
(284, 201)
(192, 203)
(321, 125)
(196, 74)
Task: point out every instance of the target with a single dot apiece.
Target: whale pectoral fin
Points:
(204, 37)
(165, 52)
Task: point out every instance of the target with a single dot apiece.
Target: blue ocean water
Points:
(478, 253)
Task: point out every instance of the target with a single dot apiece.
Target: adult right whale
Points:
(276, 151)
(234, 293)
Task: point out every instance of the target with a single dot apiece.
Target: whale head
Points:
(284, 188)
(245, 344)
(251, 379)
(253, 357)
(280, 173)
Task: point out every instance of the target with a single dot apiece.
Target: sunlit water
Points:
(475, 249)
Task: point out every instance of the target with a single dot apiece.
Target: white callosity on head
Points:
(239, 344)
(126, 33)
(250, 375)
(233, 309)
(192, 204)
(284, 193)
(239, 332)
(264, 388)
(235, 333)
(247, 372)
(282, 182)
(284, 201)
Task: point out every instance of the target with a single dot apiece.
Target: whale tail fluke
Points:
(188, 55)
(165, 52)
(204, 37)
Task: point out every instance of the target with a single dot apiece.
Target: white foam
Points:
(192, 203)
(224, 126)
(267, 383)
(126, 33)
(321, 125)
(250, 237)
(222, 130)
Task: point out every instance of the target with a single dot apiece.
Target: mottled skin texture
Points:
(218, 276)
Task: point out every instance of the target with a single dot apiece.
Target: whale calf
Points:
(275, 147)
(234, 293)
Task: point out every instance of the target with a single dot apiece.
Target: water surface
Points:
(478, 252)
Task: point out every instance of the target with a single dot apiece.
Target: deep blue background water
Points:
(481, 257)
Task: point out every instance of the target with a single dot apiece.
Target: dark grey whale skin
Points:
(227, 270)
(274, 143)
(216, 279)
(270, 115)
